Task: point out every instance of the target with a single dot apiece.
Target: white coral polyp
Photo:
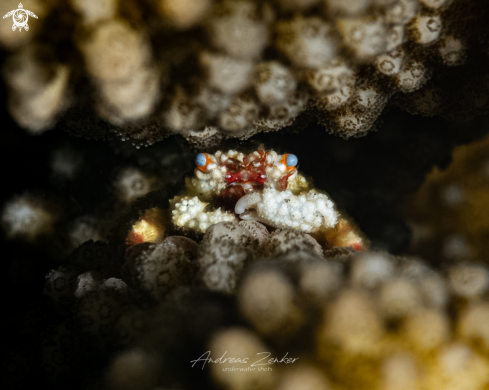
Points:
(347, 7)
(183, 14)
(434, 4)
(274, 83)
(307, 212)
(93, 11)
(395, 37)
(130, 99)
(331, 77)
(390, 63)
(365, 37)
(132, 184)
(333, 100)
(115, 51)
(189, 214)
(402, 11)
(452, 51)
(183, 115)
(38, 91)
(227, 74)
(236, 30)
(412, 77)
(239, 115)
(427, 28)
(307, 42)
(27, 217)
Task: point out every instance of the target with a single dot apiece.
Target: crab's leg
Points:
(344, 234)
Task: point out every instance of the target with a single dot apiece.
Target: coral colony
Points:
(244, 275)
(232, 68)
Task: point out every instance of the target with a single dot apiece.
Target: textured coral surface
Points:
(208, 69)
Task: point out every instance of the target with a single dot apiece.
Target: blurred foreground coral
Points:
(207, 69)
(342, 319)
(448, 214)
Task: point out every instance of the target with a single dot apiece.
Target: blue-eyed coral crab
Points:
(262, 186)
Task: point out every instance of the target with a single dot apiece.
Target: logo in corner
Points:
(20, 17)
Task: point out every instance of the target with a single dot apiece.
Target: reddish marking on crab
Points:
(283, 183)
(246, 177)
(232, 177)
(243, 177)
(233, 165)
(229, 196)
(251, 170)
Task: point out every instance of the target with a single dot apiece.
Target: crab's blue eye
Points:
(201, 160)
(292, 160)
